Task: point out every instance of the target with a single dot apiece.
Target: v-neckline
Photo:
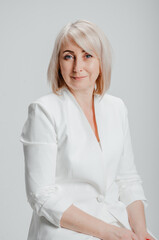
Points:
(84, 116)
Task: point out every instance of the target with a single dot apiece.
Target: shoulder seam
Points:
(41, 106)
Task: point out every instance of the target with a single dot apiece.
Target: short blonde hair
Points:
(89, 37)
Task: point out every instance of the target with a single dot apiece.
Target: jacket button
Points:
(100, 198)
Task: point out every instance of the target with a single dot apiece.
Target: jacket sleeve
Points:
(128, 179)
(40, 151)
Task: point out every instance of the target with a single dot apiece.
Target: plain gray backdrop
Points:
(28, 30)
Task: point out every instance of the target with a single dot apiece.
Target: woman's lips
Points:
(78, 78)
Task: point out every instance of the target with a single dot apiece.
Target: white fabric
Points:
(65, 164)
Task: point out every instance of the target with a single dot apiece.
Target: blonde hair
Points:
(89, 37)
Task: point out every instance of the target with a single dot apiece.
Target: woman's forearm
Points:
(77, 220)
(136, 216)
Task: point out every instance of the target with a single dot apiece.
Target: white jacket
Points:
(65, 164)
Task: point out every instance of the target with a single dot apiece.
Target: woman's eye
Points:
(67, 57)
(88, 55)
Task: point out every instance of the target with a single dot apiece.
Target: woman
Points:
(81, 180)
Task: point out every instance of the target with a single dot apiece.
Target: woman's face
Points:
(78, 68)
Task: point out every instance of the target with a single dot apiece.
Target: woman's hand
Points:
(144, 235)
(112, 232)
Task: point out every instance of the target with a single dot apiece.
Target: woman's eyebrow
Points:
(71, 51)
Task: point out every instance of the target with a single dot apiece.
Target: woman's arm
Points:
(77, 220)
(137, 220)
(136, 216)
(131, 191)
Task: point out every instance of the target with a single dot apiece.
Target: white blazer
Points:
(65, 164)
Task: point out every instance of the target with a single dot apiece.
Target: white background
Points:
(27, 33)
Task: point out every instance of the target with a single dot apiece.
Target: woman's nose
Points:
(78, 65)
